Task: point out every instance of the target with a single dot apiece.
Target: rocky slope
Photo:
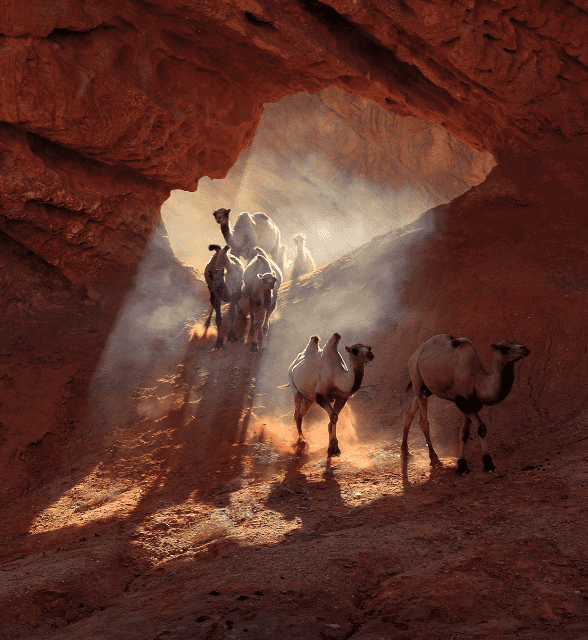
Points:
(185, 514)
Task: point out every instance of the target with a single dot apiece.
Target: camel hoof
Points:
(435, 462)
(462, 467)
(333, 449)
(300, 445)
(232, 337)
(219, 344)
(488, 464)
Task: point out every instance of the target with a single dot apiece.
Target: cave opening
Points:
(335, 166)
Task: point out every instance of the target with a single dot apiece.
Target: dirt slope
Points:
(184, 513)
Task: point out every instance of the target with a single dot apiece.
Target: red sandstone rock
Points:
(106, 108)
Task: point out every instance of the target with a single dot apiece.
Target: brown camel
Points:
(451, 368)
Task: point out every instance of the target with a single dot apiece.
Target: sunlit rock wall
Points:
(335, 166)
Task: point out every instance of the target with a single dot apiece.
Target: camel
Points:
(261, 282)
(224, 277)
(282, 261)
(451, 368)
(303, 262)
(250, 231)
(321, 376)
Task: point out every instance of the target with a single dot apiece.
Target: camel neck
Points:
(267, 298)
(498, 383)
(226, 231)
(506, 382)
(357, 378)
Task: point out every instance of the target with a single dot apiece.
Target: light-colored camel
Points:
(224, 277)
(282, 261)
(322, 376)
(451, 368)
(303, 262)
(250, 231)
(261, 282)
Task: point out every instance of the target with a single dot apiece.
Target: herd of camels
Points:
(444, 366)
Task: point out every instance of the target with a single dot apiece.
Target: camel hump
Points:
(459, 342)
(214, 247)
(260, 252)
(261, 215)
(262, 255)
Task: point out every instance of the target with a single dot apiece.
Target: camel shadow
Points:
(304, 502)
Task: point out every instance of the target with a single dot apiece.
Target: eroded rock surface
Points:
(106, 107)
(173, 92)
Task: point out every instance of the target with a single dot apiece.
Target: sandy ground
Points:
(187, 515)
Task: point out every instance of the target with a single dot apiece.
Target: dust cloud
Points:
(336, 173)
(151, 335)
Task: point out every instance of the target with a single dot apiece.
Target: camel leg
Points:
(486, 457)
(333, 449)
(434, 459)
(301, 407)
(269, 312)
(333, 442)
(464, 435)
(408, 416)
(219, 320)
(256, 320)
(207, 321)
(232, 337)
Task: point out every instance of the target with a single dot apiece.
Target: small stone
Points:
(93, 295)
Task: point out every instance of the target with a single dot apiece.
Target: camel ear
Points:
(493, 346)
(348, 349)
(260, 276)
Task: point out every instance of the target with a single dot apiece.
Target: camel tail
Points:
(282, 386)
(214, 247)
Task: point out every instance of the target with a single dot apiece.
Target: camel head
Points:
(359, 354)
(222, 216)
(268, 279)
(299, 238)
(508, 351)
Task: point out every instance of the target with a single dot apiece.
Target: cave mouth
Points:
(334, 166)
